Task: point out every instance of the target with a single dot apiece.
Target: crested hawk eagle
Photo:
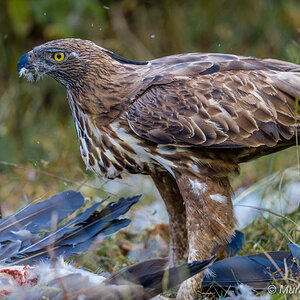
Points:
(186, 120)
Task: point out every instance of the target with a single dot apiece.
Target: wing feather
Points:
(217, 101)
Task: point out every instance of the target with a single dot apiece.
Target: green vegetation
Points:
(39, 153)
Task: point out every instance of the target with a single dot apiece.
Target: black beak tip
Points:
(23, 62)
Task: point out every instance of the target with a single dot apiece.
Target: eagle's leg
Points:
(209, 221)
(170, 193)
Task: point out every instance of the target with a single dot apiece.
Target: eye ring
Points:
(58, 56)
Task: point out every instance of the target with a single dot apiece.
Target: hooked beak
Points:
(27, 69)
(25, 62)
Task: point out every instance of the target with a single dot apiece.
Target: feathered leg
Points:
(170, 193)
(209, 219)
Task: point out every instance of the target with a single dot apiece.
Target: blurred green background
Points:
(39, 151)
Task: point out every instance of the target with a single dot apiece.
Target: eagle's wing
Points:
(217, 101)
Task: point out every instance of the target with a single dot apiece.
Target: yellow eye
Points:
(59, 56)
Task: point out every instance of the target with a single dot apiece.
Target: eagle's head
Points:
(65, 60)
(96, 79)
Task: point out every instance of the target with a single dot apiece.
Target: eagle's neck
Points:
(107, 88)
(99, 102)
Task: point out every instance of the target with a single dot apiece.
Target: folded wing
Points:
(217, 101)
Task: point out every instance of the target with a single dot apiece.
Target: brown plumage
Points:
(187, 120)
